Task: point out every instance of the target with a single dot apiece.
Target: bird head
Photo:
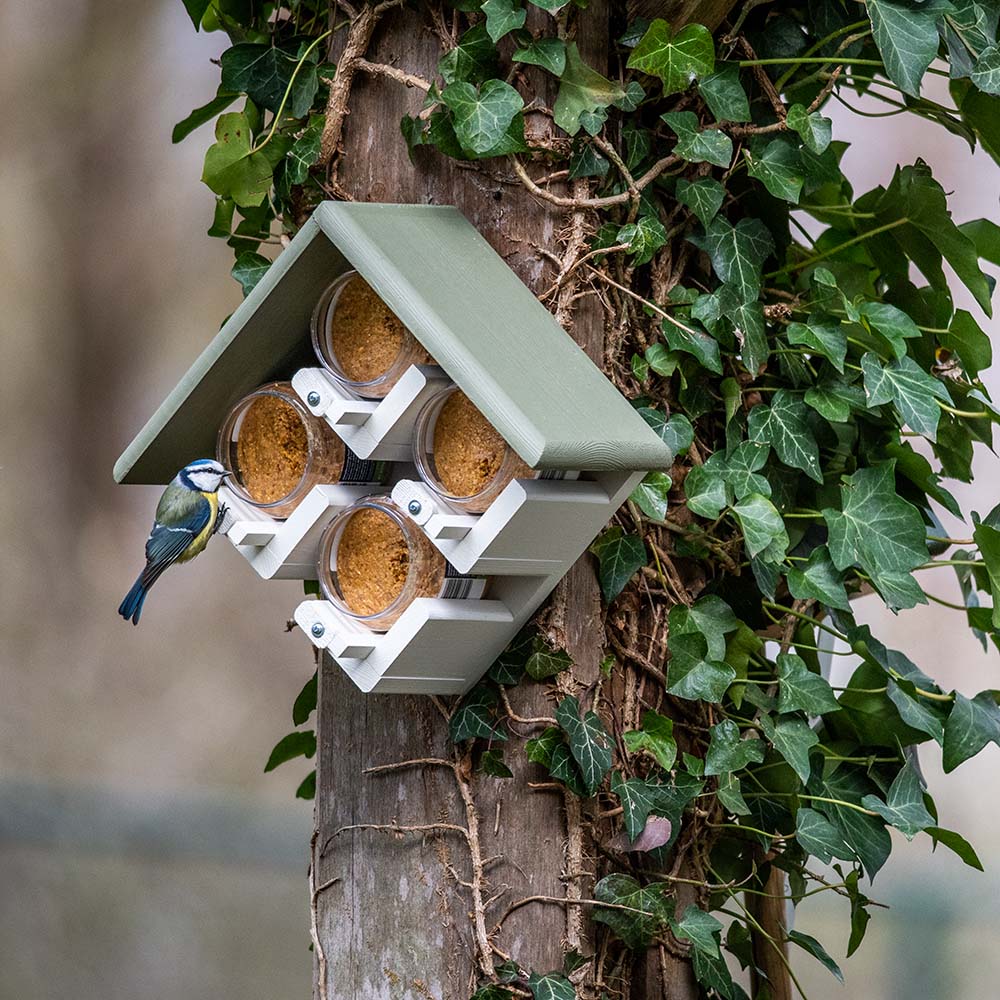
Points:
(204, 475)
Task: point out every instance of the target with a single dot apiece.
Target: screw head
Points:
(414, 507)
(317, 630)
(313, 398)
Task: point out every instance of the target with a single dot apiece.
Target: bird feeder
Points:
(490, 336)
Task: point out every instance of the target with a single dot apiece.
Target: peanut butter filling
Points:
(468, 452)
(365, 335)
(271, 450)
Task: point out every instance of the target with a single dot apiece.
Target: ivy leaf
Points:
(986, 73)
(739, 467)
(730, 794)
(704, 197)
(713, 973)
(563, 768)
(305, 701)
(913, 709)
(551, 987)
(476, 717)
(474, 58)
(677, 432)
(737, 253)
(777, 166)
(762, 526)
(638, 799)
(876, 529)
(545, 662)
(305, 152)
(801, 690)
(549, 53)
(491, 763)
(724, 94)
(819, 837)
(539, 749)
(904, 383)
(588, 742)
(892, 323)
(643, 237)
(696, 145)
(907, 39)
(965, 337)
(656, 737)
(264, 73)
(956, 843)
(249, 268)
(833, 399)
(696, 343)
(970, 726)
(201, 115)
(811, 945)
(700, 928)
(728, 752)
(581, 89)
(904, 805)
(705, 491)
(482, 118)
(502, 17)
(231, 168)
(299, 744)
(793, 739)
(307, 787)
(650, 496)
(691, 675)
(709, 615)
(677, 59)
(649, 910)
(826, 338)
(821, 580)
(196, 11)
(619, 556)
(508, 667)
(815, 130)
(492, 992)
(783, 426)
(866, 835)
(988, 539)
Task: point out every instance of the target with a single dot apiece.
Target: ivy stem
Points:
(288, 90)
(833, 36)
(951, 562)
(807, 60)
(944, 603)
(805, 618)
(815, 258)
(971, 414)
(838, 802)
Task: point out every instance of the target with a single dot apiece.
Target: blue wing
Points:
(167, 542)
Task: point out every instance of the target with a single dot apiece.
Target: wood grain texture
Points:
(524, 829)
(711, 13)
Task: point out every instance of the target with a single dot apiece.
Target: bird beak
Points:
(227, 474)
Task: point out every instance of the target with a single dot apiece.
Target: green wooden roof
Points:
(460, 300)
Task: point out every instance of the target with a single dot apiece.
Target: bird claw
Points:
(220, 517)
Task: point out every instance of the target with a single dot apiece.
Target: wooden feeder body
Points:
(504, 350)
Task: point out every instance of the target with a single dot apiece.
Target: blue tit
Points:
(187, 516)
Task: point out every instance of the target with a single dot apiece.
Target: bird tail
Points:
(131, 607)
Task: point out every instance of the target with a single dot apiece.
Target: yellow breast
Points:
(201, 539)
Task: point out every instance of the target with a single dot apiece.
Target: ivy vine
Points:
(795, 343)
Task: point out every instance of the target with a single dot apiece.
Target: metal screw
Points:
(313, 398)
(317, 630)
(414, 507)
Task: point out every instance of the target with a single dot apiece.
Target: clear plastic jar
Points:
(278, 451)
(359, 340)
(459, 454)
(374, 561)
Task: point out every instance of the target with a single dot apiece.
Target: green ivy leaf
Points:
(473, 59)
(827, 338)
(820, 580)
(866, 835)
(549, 53)
(904, 805)
(986, 73)
(956, 843)
(638, 798)
(581, 89)
(491, 763)
(656, 738)
(705, 491)
(763, 529)
(545, 662)
(650, 908)
(709, 615)
(476, 717)
(793, 739)
(730, 794)
(231, 168)
(704, 197)
(196, 11)
(539, 750)
(727, 751)
(650, 496)
(305, 701)
(776, 164)
(905, 384)
(783, 426)
(677, 432)
(892, 323)
(298, 744)
(508, 667)
(696, 145)
(696, 343)
(588, 742)
(713, 973)
(492, 992)
(966, 338)
(307, 787)
(737, 253)
(201, 115)
(915, 710)
(834, 399)
(700, 928)
(264, 72)
(677, 59)
(876, 529)
(970, 726)
(907, 39)
(801, 690)
(482, 118)
(815, 130)
(988, 539)
(305, 152)
(619, 556)
(724, 94)
(551, 987)
(643, 237)
(563, 768)
(811, 945)
(819, 837)
(249, 268)
(691, 675)
(502, 17)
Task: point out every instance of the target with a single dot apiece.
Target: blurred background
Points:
(143, 852)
